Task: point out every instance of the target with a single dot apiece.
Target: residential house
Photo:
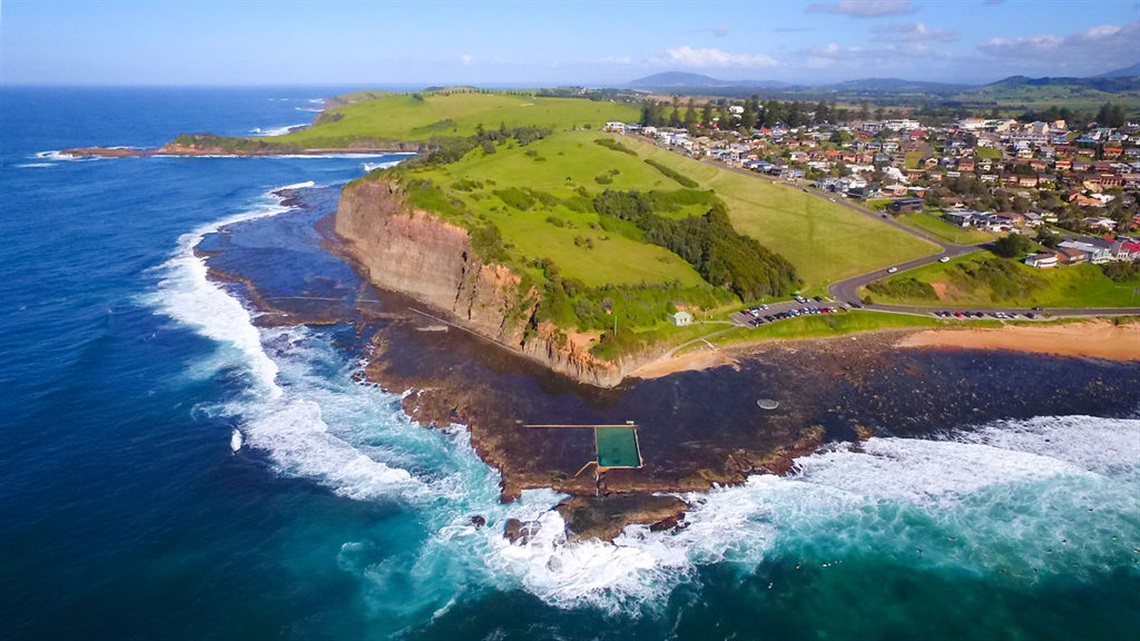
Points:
(1093, 254)
(1042, 261)
(906, 205)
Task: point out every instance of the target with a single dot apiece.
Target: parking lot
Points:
(763, 314)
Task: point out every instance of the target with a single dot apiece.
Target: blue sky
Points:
(549, 43)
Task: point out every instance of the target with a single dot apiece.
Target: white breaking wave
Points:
(309, 109)
(276, 131)
(976, 507)
(57, 156)
(370, 167)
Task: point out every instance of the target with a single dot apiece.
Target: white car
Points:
(892, 270)
(944, 259)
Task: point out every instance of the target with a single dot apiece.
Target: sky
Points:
(534, 43)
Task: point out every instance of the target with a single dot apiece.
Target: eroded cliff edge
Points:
(419, 254)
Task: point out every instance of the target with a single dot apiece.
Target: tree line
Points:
(756, 113)
(721, 255)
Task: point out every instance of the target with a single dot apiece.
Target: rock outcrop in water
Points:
(417, 253)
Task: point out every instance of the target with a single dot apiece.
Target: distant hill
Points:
(894, 85)
(1124, 72)
(683, 80)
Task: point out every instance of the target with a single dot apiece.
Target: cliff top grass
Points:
(539, 197)
(417, 117)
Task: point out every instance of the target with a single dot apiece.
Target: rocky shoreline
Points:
(697, 429)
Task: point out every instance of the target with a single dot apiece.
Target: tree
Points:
(690, 114)
(1012, 246)
(1110, 115)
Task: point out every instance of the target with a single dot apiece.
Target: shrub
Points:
(684, 180)
(615, 145)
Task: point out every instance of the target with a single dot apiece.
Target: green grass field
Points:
(939, 228)
(987, 152)
(402, 117)
(558, 165)
(1063, 287)
(825, 241)
(822, 326)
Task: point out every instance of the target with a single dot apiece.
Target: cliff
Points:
(419, 254)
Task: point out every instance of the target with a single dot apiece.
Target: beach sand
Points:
(700, 359)
(1097, 339)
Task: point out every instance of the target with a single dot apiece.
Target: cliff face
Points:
(418, 254)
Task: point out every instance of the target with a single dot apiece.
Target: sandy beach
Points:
(1097, 339)
(699, 359)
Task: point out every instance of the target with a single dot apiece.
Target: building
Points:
(906, 205)
(1042, 261)
(681, 319)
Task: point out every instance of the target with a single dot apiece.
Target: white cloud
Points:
(1103, 44)
(466, 59)
(914, 32)
(616, 60)
(862, 8)
(687, 56)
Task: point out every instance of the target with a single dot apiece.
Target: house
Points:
(681, 318)
(1093, 254)
(1106, 224)
(615, 127)
(1011, 218)
(906, 205)
(1042, 261)
(1071, 256)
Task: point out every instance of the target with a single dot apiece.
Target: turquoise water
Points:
(167, 470)
(617, 446)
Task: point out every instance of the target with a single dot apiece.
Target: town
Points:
(1071, 187)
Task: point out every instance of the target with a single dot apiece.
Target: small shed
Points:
(681, 319)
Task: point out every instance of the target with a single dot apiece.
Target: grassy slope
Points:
(829, 325)
(1075, 286)
(825, 241)
(943, 230)
(573, 155)
(402, 117)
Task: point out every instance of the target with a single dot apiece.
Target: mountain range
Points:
(1118, 80)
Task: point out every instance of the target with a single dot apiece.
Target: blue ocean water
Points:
(167, 470)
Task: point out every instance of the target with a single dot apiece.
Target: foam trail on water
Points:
(186, 294)
(277, 418)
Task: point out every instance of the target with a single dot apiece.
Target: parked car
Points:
(944, 259)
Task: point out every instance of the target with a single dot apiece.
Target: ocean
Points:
(169, 470)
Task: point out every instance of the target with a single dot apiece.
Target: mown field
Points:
(968, 281)
(568, 231)
(406, 117)
(939, 228)
(825, 241)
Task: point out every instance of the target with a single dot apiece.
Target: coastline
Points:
(1094, 339)
(699, 423)
(1097, 338)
